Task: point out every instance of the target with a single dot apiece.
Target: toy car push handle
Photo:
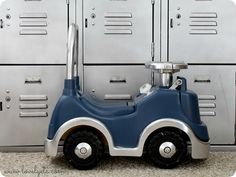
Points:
(72, 52)
(166, 71)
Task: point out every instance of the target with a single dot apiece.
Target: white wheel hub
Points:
(167, 150)
(83, 150)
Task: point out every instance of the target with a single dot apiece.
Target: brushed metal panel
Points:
(33, 42)
(24, 122)
(216, 99)
(118, 82)
(117, 43)
(202, 43)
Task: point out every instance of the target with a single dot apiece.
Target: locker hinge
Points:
(153, 49)
(153, 1)
(67, 2)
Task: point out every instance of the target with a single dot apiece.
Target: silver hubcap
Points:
(83, 150)
(167, 149)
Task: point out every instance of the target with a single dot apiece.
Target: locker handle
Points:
(171, 23)
(33, 81)
(118, 81)
(202, 81)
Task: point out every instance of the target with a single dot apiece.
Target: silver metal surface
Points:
(118, 97)
(83, 150)
(24, 119)
(165, 71)
(166, 79)
(177, 83)
(216, 100)
(167, 150)
(33, 97)
(204, 33)
(207, 105)
(127, 39)
(33, 32)
(165, 67)
(207, 113)
(72, 52)
(206, 97)
(118, 82)
(200, 150)
(33, 114)
(33, 106)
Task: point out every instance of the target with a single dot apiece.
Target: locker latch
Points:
(0, 106)
(1, 23)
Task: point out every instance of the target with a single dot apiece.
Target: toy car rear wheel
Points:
(83, 150)
(166, 149)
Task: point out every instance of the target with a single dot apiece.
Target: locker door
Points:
(202, 31)
(27, 98)
(117, 31)
(33, 32)
(215, 86)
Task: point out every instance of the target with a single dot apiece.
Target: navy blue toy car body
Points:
(159, 124)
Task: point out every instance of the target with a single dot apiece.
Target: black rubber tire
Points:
(157, 140)
(87, 137)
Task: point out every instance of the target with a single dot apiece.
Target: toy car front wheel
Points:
(83, 150)
(166, 149)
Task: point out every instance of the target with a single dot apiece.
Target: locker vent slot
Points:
(118, 23)
(206, 97)
(33, 32)
(33, 24)
(33, 98)
(33, 106)
(33, 15)
(33, 114)
(203, 23)
(207, 113)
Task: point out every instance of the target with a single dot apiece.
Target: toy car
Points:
(161, 122)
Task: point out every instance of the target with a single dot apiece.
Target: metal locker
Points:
(202, 31)
(118, 31)
(33, 32)
(27, 99)
(115, 82)
(215, 86)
